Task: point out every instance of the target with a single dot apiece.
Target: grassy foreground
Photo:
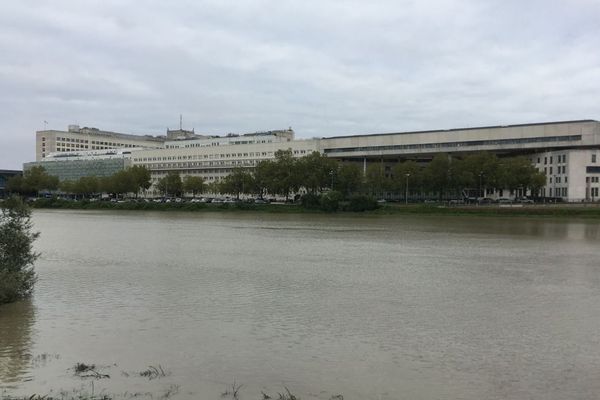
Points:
(545, 210)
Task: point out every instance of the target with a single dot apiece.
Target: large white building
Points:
(81, 139)
(567, 152)
(214, 158)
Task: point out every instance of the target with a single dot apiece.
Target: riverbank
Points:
(537, 210)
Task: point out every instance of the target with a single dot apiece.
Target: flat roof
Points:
(97, 132)
(462, 129)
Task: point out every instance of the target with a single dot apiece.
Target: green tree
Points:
(315, 171)
(123, 182)
(286, 177)
(414, 178)
(140, 177)
(349, 179)
(237, 182)
(435, 175)
(376, 181)
(15, 184)
(170, 184)
(265, 178)
(193, 184)
(519, 173)
(17, 257)
(35, 180)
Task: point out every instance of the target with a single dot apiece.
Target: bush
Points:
(330, 201)
(362, 203)
(311, 201)
(16, 251)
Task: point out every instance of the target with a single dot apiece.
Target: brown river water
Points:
(402, 307)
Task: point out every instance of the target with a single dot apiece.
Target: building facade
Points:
(567, 152)
(81, 139)
(76, 164)
(214, 158)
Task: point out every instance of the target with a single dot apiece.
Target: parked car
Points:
(485, 200)
(524, 200)
(504, 200)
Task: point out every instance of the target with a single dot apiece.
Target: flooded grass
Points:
(153, 372)
(83, 370)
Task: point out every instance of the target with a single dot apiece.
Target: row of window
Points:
(498, 142)
(212, 156)
(233, 163)
(557, 192)
(561, 169)
(558, 179)
(561, 158)
(210, 144)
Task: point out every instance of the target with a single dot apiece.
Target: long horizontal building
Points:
(82, 139)
(568, 152)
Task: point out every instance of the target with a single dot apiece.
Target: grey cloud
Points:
(324, 67)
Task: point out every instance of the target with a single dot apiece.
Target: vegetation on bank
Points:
(91, 373)
(17, 257)
(285, 176)
(309, 204)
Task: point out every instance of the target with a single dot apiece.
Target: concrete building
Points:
(567, 151)
(81, 139)
(214, 158)
(76, 164)
(576, 142)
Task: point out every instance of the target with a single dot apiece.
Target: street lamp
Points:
(406, 188)
(331, 174)
(480, 187)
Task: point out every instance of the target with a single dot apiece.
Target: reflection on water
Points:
(16, 321)
(372, 307)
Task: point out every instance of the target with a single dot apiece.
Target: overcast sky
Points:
(325, 68)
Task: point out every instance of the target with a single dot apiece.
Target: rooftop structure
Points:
(77, 139)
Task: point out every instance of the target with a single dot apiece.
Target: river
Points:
(371, 307)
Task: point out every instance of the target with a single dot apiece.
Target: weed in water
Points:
(83, 370)
(153, 372)
(233, 391)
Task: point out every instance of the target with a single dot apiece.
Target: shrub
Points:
(17, 276)
(330, 201)
(362, 203)
(311, 201)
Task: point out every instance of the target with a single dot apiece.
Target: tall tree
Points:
(170, 184)
(141, 178)
(349, 179)
(193, 184)
(240, 180)
(436, 175)
(316, 171)
(17, 276)
(376, 180)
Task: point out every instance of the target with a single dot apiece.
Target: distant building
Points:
(5, 175)
(80, 139)
(79, 163)
(567, 152)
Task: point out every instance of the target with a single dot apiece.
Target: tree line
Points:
(442, 177)
(286, 175)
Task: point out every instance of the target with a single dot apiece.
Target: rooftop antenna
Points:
(45, 124)
(180, 122)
